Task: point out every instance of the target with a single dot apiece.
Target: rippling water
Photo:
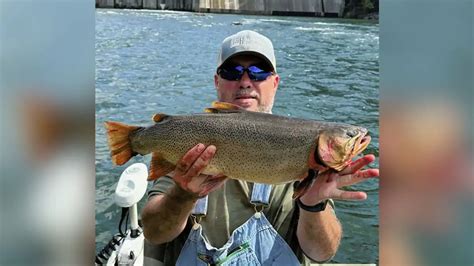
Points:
(160, 61)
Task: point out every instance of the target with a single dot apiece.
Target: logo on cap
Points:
(243, 41)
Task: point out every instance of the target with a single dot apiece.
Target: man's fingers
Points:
(369, 173)
(351, 179)
(201, 162)
(358, 164)
(188, 159)
(349, 195)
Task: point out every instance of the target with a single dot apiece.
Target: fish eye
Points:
(351, 133)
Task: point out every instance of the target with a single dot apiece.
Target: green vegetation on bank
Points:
(368, 9)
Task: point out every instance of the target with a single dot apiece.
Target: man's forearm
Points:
(319, 233)
(164, 217)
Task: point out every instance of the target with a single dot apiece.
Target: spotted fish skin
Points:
(250, 146)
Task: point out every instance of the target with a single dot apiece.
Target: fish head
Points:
(337, 145)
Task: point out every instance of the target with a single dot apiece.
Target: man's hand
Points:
(187, 174)
(327, 184)
(165, 216)
(319, 233)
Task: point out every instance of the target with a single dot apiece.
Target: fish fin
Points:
(159, 117)
(221, 111)
(223, 107)
(211, 110)
(305, 184)
(159, 166)
(119, 141)
(212, 183)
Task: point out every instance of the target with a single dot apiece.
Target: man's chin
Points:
(249, 104)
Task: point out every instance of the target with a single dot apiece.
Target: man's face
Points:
(257, 96)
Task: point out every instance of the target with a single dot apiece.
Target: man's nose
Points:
(245, 81)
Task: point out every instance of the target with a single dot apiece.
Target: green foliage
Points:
(360, 8)
(367, 5)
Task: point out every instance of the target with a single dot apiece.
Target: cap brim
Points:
(261, 56)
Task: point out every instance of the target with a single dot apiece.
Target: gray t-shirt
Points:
(228, 208)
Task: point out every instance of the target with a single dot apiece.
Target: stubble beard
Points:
(265, 108)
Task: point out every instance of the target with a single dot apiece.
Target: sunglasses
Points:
(235, 73)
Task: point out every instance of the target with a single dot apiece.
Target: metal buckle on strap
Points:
(259, 207)
(196, 218)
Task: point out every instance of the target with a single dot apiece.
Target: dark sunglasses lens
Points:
(236, 73)
(258, 74)
(255, 69)
(230, 74)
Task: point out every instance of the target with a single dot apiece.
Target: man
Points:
(246, 76)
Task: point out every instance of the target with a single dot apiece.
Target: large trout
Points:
(251, 146)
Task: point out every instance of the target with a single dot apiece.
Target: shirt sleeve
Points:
(161, 186)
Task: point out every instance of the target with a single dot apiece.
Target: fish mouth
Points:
(361, 144)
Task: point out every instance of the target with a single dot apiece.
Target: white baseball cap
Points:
(247, 42)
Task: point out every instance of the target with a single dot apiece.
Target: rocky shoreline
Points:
(372, 16)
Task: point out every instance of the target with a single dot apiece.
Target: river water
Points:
(149, 62)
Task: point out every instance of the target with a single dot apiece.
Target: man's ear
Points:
(276, 81)
(216, 81)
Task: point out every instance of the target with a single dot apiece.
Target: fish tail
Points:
(118, 137)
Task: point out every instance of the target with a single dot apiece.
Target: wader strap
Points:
(200, 209)
(261, 194)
